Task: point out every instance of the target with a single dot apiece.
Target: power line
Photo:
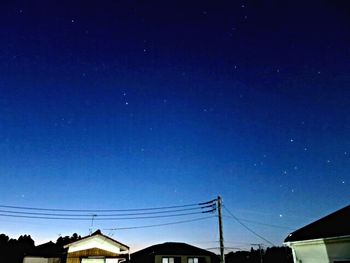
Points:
(226, 248)
(264, 224)
(107, 210)
(246, 227)
(205, 208)
(158, 225)
(105, 218)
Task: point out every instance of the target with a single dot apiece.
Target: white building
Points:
(96, 248)
(326, 240)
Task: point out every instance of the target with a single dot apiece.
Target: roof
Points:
(336, 224)
(173, 248)
(48, 249)
(97, 233)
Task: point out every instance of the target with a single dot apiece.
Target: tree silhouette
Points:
(13, 250)
(62, 241)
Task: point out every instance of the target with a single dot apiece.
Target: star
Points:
(72, 20)
(126, 103)
(291, 140)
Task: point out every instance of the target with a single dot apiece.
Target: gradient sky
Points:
(131, 104)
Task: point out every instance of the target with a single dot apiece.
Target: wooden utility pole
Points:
(222, 250)
(260, 251)
(261, 257)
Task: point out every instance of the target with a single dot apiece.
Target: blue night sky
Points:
(133, 104)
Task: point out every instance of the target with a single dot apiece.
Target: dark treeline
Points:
(13, 250)
(269, 255)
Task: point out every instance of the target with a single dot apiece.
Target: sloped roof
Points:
(98, 233)
(173, 248)
(48, 249)
(334, 225)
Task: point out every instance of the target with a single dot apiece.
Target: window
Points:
(168, 260)
(192, 260)
(92, 260)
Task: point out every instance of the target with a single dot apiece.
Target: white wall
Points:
(28, 259)
(92, 260)
(107, 260)
(322, 251)
(94, 242)
(35, 260)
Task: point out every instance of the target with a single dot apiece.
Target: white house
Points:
(45, 253)
(326, 240)
(96, 248)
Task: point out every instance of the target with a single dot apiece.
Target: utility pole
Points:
(260, 251)
(222, 251)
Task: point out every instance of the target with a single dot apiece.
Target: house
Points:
(46, 253)
(172, 252)
(96, 248)
(326, 240)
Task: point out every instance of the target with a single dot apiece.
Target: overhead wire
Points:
(108, 210)
(226, 248)
(261, 223)
(159, 225)
(96, 217)
(131, 214)
(246, 227)
(107, 215)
